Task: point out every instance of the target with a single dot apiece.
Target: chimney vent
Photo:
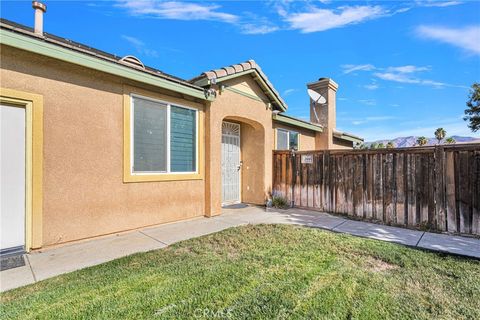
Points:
(40, 9)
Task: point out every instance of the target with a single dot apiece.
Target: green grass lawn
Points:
(261, 272)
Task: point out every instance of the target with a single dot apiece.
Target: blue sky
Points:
(403, 67)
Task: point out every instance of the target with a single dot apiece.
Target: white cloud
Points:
(349, 68)
(406, 78)
(288, 92)
(372, 86)
(253, 28)
(401, 74)
(140, 46)
(437, 3)
(407, 69)
(178, 10)
(324, 19)
(368, 102)
(397, 77)
(372, 119)
(466, 38)
(248, 23)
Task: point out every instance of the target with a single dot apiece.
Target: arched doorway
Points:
(243, 163)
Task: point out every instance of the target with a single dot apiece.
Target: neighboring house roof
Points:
(22, 37)
(282, 118)
(237, 70)
(347, 136)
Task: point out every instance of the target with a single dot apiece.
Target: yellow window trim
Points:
(33, 104)
(127, 165)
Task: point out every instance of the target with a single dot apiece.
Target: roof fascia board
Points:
(296, 123)
(53, 51)
(348, 138)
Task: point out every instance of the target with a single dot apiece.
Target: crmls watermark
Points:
(213, 314)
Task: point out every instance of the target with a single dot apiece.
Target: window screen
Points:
(282, 140)
(182, 139)
(149, 136)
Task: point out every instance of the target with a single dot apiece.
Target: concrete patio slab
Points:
(446, 243)
(380, 232)
(76, 256)
(175, 232)
(16, 277)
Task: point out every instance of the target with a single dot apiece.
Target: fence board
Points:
(434, 187)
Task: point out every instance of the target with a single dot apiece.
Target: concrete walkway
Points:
(52, 262)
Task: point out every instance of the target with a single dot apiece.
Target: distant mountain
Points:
(404, 142)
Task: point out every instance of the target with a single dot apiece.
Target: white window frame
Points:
(132, 130)
(288, 138)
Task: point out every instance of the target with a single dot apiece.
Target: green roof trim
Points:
(348, 137)
(37, 46)
(296, 122)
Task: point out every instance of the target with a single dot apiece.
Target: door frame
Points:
(240, 161)
(33, 104)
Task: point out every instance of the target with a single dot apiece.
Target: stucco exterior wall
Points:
(342, 144)
(256, 121)
(307, 137)
(83, 190)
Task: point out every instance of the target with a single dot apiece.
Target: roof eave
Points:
(205, 81)
(39, 46)
(296, 122)
(348, 137)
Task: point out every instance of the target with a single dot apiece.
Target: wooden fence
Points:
(434, 188)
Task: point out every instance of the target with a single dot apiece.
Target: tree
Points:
(421, 141)
(450, 140)
(381, 145)
(374, 145)
(390, 145)
(472, 113)
(440, 133)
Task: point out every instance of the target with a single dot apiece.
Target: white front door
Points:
(231, 164)
(12, 178)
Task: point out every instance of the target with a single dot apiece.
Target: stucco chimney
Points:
(324, 114)
(40, 9)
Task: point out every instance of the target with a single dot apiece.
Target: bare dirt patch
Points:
(377, 265)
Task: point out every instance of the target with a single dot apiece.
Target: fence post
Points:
(439, 176)
(294, 175)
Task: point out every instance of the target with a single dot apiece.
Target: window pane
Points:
(182, 139)
(149, 136)
(282, 140)
(293, 140)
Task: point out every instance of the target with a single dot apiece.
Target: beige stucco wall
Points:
(342, 144)
(257, 146)
(307, 137)
(83, 190)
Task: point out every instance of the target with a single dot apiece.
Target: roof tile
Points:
(230, 70)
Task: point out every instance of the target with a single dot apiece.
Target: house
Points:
(94, 144)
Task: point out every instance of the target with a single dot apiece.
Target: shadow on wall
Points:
(252, 151)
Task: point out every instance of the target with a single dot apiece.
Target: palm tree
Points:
(421, 141)
(440, 134)
(390, 145)
(450, 140)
